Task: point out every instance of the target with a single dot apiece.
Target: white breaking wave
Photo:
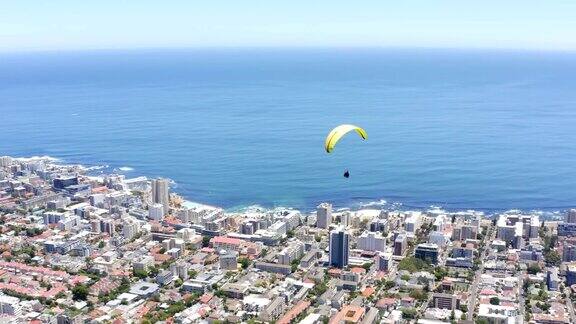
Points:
(96, 167)
(378, 203)
(37, 158)
(125, 168)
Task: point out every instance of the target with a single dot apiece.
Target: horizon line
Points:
(290, 47)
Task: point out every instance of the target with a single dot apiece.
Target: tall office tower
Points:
(569, 253)
(384, 261)
(571, 216)
(339, 248)
(323, 215)
(400, 244)
(160, 193)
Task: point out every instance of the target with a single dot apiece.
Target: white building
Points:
(372, 241)
(130, 228)
(293, 251)
(143, 263)
(324, 215)
(571, 216)
(278, 228)
(345, 219)
(10, 305)
(413, 222)
(441, 222)
(438, 238)
(498, 314)
(512, 228)
(156, 212)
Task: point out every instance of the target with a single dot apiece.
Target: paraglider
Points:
(337, 133)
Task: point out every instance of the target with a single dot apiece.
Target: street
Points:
(474, 288)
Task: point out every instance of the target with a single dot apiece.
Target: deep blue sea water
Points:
(460, 129)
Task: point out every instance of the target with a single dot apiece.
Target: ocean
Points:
(461, 129)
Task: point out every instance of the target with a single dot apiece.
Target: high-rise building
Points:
(463, 232)
(339, 248)
(156, 211)
(228, 260)
(569, 253)
(379, 225)
(293, 251)
(384, 260)
(372, 241)
(130, 228)
(413, 222)
(160, 193)
(95, 225)
(427, 252)
(400, 244)
(552, 280)
(64, 181)
(512, 228)
(445, 301)
(571, 216)
(571, 275)
(107, 226)
(345, 219)
(438, 238)
(324, 215)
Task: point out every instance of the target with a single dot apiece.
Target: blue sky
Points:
(103, 24)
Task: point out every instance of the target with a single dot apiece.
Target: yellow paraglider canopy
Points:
(336, 134)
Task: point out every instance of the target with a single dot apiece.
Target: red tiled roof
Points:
(206, 298)
(294, 312)
(386, 302)
(358, 270)
(226, 240)
(367, 292)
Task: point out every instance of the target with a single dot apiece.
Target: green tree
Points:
(495, 301)
(413, 264)
(409, 313)
(244, 262)
(367, 266)
(205, 241)
(440, 273)
(140, 273)
(389, 284)
(533, 269)
(80, 292)
(419, 295)
(553, 258)
(153, 271)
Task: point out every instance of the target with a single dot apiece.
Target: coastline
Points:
(551, 213)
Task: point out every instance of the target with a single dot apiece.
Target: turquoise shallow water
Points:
(460, 129)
